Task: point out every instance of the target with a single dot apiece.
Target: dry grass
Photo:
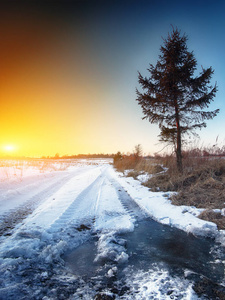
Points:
(202, 183)
(197, 178)
(216, 217)
(138, 166)
(209, 289)
(18, 168)
(127, 163)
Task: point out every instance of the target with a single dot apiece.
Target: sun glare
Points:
(9, 148)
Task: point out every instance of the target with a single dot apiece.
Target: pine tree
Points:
(173, 97)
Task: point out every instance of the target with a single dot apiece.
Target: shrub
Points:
(117, 157)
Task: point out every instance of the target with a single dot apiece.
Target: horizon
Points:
(70, 69)
(57, 156)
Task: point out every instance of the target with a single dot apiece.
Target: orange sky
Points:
(56, 97)
(49, 103)
(68, 77)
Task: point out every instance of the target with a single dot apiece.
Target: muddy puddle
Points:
(81, 260)
(151, 244)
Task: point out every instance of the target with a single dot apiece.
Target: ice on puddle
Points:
(187, 273)
(111, 248)
(25, 249)
(122, 258)
(44, 274)
(111, 272)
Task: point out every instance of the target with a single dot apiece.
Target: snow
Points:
(158, 284)
(160, 208)
(144, 177)
(112, 272)
(66, 206)
(111, 215)
(59, 207)
(14, 170)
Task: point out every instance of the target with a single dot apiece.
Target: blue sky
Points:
(129, 37)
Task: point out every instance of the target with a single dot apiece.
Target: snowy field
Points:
(50, 209)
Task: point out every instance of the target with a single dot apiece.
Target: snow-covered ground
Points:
(46, 213)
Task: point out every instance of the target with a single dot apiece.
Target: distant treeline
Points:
(78, 156)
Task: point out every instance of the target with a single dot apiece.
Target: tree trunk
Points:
(178, 150)
(179, 153)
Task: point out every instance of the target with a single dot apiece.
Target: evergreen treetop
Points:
(173, 97)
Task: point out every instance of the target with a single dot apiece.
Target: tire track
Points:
(131, 207)
(85, 204)
(15, 216)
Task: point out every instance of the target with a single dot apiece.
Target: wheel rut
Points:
(15, 216)
(131, 207)
(83, 205)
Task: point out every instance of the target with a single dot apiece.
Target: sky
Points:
(69, 72)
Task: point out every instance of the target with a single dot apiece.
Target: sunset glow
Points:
(69, 72)
(9, 148)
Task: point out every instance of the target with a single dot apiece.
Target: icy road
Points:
(87, 232)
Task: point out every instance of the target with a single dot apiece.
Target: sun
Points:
(9, 148)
